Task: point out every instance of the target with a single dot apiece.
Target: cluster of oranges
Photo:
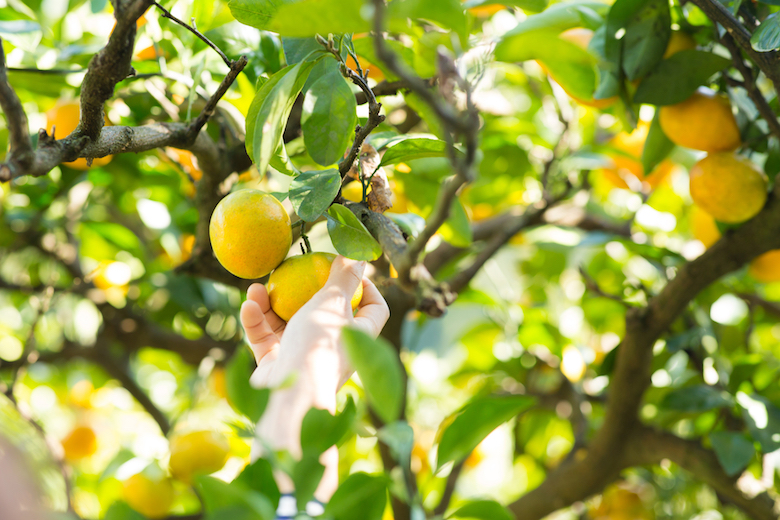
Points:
(151, 491)
(251, 235)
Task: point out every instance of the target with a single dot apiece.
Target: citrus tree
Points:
(569, 208)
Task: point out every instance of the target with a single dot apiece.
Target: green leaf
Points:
(217, 495)
(256, 13)
(475, 421)
(281, 162)
(329, 118)
(311, 193)
(647, 34)
(297, 49)
(409, 223)
(558, 17)
(259, 476)
(306, 476)
(121, 511)
(399, 437)
(241, 396)
(311, 17)
(117, 234)
(377, 364)
(767, 37)
(457, 229)
(569, 65)
(696, 399)
(733, 450)
(360, 497)
(415, 148)
(269, 111)
(657, 146)
(762, 419)
(677, 77)
(320, 430)
(532, 6)
(349, 236)
(483, 510)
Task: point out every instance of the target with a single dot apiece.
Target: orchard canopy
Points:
(570, 208)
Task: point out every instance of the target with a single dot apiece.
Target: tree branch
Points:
(196, 32)
(20, 145)
(449, 488)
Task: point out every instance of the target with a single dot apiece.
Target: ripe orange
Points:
(250, 233)
(620, 504)
(152, 497)
(728, 186)
(218, 382)
(198, 453)
(80, 443)
(294, 282)
(632, 144)
(703, 227)
(188, 162)
(679, 41)
(766, 268)
(62, 120)
(704, 122)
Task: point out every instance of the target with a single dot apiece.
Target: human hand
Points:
(309, 345)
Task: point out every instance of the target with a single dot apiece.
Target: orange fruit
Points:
(620, 504)
(728, 186)
(373, 71)
(152, 497)
(633, 144)
(188, 162)
(80, 443)
(198, 453)
(483, 11)
(679, 41)
(703, 227)
(250, 233)
(62, 120)
(218, 382)
(151, 53)
(81, 393)
(766, 268)
(703, 122)
(293, 283)
(353, 192)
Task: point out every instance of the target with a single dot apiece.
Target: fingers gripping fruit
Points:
(198, 453)
(250, 233)
(294, 282)
(729, 187)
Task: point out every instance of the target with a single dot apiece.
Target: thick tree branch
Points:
(20, 145)
(577, 480)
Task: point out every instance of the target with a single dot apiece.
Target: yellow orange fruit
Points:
(81, 393)
(353, 192)
(151, 53)
(188, 162)
(373, 71)
(62, 120)
(293, 283)
(218, 382)
(198, 453)
(766, 268)
(250, 233)
(483, 11)
(152, 497)
(631, 164)
(621, 504)
(703, 122)
(729, 187)
(80, 443)
(704, 228)
(679, 41)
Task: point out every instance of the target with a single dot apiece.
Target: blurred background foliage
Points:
(94, 313)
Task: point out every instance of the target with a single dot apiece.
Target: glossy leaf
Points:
(259, 476)
(646, 37)
(767, 37)
(268, 113)
(696, 399)
(558, 17)
(122, 511)
(475, 421)
(448, 14)
(329, 118)
(306, 476)
(311, 193)
(377, 364)
(415, 148)
(321, 430)
(399, 437)
(483, 510)
(244, 399)
(677, 77)
(532, 6)
(734, 451)
(349, 236)
(256, 13)
(360, 497)
(218, 495)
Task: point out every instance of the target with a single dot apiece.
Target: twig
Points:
(20, 145)
(211, 106)
(749, 84)
(196, 32)
(449, 489)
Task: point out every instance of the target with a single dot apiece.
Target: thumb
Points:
(346, 274)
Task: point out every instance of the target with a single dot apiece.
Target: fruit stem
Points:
(305, 238)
